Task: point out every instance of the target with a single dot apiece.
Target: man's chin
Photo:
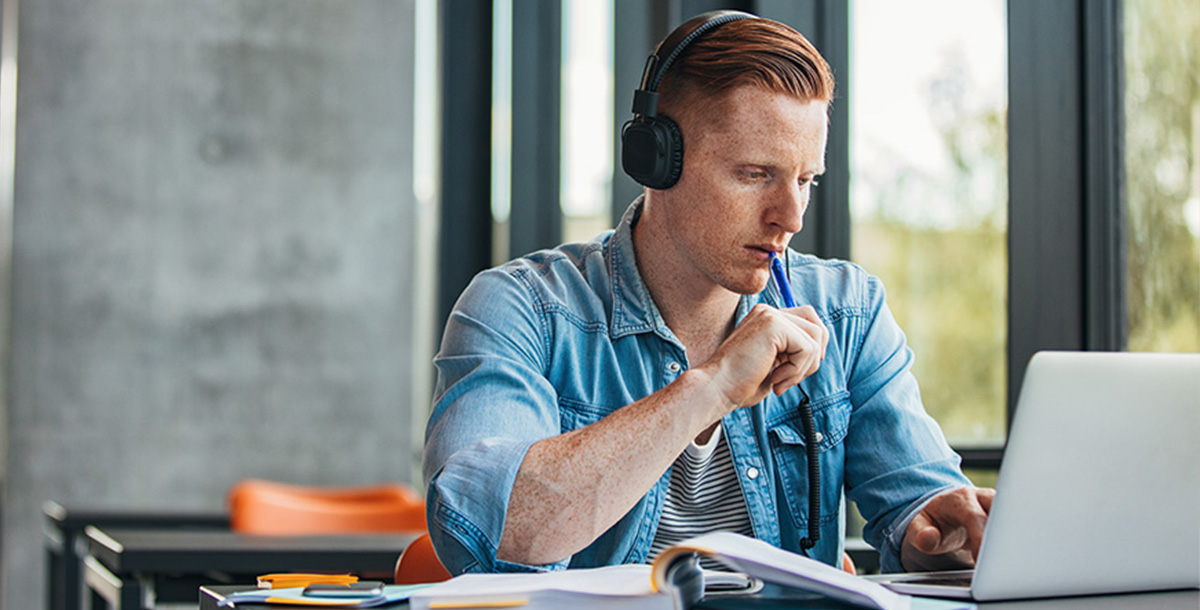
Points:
(748, 286)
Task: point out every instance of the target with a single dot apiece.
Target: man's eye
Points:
(810, 182)
(753, 174)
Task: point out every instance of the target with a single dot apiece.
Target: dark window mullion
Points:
(1066, 168)
(1104, 164)
(633, 39)
(465, 216)
(536, 213)
(1045, 234)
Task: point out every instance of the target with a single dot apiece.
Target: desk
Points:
(210, 596)
(66, 548)
(137, 568)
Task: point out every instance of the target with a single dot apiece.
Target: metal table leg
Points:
(110, 591)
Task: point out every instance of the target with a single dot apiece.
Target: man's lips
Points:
(764, 251)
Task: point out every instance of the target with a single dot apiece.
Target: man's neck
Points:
(700, 312)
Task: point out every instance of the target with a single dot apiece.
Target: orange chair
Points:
(419, 564)
(270, 508)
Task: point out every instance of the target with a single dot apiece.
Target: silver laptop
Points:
(1099, 491)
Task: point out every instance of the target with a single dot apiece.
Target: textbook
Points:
(673, 581)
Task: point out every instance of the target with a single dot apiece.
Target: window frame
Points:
(1065, 146)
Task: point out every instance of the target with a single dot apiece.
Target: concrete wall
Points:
(214, 255)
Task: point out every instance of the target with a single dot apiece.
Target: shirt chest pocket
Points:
(831, 414)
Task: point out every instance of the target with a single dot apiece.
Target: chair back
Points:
(270, 508)
(848, 565)
(419, 564)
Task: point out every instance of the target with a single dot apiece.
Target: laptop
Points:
(1099, 490)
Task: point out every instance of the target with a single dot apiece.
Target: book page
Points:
(624, 586)
(761, 560)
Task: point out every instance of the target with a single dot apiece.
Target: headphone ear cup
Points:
(652, 151)
(673, 152)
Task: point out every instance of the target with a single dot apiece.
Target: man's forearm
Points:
(573, 487)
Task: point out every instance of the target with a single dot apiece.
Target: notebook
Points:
(1099, 490)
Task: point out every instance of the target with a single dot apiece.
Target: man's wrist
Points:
(704, 381)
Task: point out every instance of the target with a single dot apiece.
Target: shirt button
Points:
(820, 437)
(673, 366)
(752, 473)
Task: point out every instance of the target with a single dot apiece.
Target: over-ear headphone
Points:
(652, 145)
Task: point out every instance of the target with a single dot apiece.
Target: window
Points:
(587, 118)
(929, 194)
(1162, 128)
(501, 174)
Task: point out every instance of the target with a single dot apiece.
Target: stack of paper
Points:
(624, 587)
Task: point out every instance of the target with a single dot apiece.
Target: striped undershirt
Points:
(704, 496)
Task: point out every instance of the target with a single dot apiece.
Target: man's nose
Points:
(789, 206)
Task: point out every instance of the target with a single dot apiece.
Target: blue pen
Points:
(781, 281)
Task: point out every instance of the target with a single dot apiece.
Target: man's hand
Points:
(947, 533)
(771, 350)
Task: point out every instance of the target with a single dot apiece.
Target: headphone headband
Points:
(670, 49)
(686, 33)
(652, 146)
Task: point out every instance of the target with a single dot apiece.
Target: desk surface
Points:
(210, 596)
(197, 551)
(74, 517)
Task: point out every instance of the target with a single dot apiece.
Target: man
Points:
(599, 401)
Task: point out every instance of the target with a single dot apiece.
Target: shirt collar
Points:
(633, 309)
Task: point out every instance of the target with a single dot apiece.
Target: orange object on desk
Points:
(287, 580)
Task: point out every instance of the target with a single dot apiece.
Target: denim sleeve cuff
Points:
(889, 555)
(468, 503)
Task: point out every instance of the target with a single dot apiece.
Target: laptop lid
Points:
(1099, 491)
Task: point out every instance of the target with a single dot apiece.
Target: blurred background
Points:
(230, 230)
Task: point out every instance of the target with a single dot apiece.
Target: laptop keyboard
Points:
(960, 580)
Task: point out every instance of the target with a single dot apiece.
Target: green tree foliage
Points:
(947, 274)
(1162, 109)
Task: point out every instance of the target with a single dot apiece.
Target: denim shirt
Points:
(558, 339)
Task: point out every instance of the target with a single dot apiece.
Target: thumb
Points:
(926, 536)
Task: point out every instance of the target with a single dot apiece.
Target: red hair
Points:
(756, 52)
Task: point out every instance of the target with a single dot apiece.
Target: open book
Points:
(673, 582)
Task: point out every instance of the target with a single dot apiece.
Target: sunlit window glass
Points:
(587, 94)
(1162, 127)
(929, 194)
(502, 15)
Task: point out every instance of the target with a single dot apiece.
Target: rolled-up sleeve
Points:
(896, 456)
(492, 402)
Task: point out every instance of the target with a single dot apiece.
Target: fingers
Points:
(985, 495)
(948, 532)
(815, 326)
(926, 537)
(796, 366)
(960, 515)
(974, 519)
(976, 515)
(803, 348)
(770, 350)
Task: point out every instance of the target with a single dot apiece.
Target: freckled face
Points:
(750, 158)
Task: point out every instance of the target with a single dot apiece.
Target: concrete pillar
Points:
(214, 255)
